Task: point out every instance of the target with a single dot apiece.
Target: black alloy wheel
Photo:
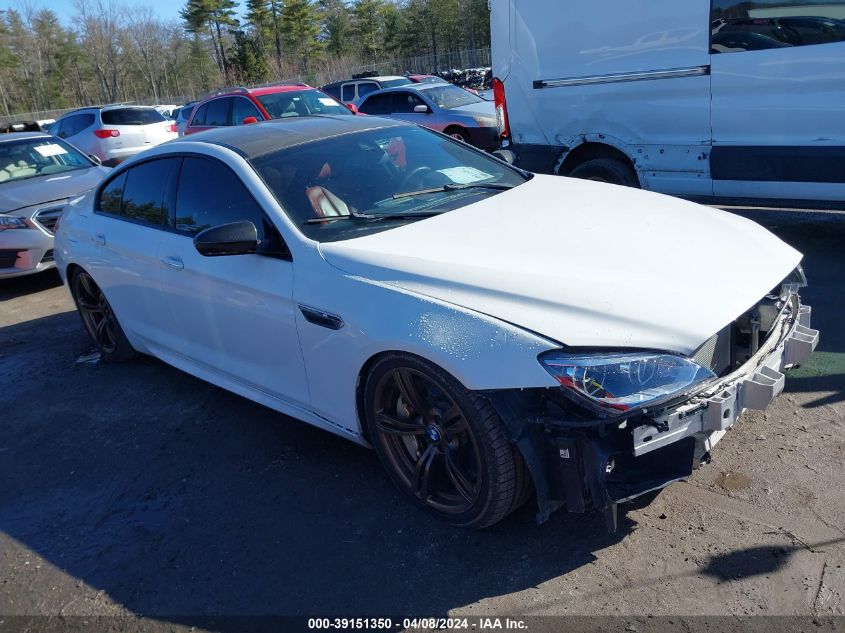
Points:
(99, 318)
(442, 445)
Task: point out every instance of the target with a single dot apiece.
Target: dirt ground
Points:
(137, 489)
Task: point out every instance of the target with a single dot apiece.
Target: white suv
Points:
(114, 133)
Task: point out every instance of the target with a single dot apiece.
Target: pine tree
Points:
(299, 27)
(368, 18)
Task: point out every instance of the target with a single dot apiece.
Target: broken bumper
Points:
(593, 468)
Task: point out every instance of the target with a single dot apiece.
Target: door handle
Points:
(99, 239)
(173, 262)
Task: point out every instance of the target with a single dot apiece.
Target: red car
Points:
(238, 106)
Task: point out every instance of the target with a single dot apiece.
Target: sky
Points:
(165, 9)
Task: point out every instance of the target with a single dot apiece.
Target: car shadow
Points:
(30, 284)
(180, 499)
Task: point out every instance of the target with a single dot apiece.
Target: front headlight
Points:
(618, 382)
(11, 222)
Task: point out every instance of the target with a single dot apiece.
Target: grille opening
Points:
(47, 257)
(48, 218)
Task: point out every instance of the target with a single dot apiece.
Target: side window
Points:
(143, 195)
(210, 194)
(333, 91)
(738, 25)
(58, 128)
(366, 88)
(82, 122)
(348, 92)
(218, 112)
(111, 195)
(405, 102)
(199, 116)
(68, 126)
(377, 104)
(242, 108)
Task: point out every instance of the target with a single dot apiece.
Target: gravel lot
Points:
(137, 489)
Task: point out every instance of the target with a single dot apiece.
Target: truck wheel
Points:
(608, 170)
(443, 446)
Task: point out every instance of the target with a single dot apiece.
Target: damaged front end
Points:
(626, 423)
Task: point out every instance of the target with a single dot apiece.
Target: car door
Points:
(403, 104)
(233, 317)
(778, 110)
(126, 229)
(348, 92)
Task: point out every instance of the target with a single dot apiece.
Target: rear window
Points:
(390, 83)
(131, 116)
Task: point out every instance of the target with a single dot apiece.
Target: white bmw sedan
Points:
(494, 335)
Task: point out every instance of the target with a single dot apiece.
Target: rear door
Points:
(129, 123)
(232, 317)
(778, 100)
(128, 225)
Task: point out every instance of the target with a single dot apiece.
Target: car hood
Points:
(27, 192)
(582, 263)
(485, 109)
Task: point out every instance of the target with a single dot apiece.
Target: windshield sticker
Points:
(464, 175)
(325, 101)
(51, 149)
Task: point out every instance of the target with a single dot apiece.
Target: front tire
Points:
(459, 134)
(442, 445)
(99, 319)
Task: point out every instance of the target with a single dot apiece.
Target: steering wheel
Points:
(418, 172)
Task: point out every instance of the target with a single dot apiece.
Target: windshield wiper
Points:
(352, 215)
(375, 216)
(453, 186)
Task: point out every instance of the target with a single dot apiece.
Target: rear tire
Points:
(99, 319)
(609, 170)
(443, 446)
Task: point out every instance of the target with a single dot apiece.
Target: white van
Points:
(726, 99)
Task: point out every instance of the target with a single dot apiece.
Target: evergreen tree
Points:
(299, 29)
(248, 60)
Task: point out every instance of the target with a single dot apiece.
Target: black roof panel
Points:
(258, 139)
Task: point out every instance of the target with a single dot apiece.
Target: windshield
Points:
(363, 174)
(131, 116)
(300, 103)
(29, 158)
(450, 96)
(392, 83)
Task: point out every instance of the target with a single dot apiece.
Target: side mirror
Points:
(236, 238)
(95, 158)
(352, 108)
(248, 120)
(421, 109)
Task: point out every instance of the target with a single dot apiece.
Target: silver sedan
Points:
(442, 107)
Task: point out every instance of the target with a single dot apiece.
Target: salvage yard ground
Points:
(139, 489)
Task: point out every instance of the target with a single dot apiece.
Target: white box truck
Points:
(735, 100)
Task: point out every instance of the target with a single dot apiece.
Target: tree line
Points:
(111, 52)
